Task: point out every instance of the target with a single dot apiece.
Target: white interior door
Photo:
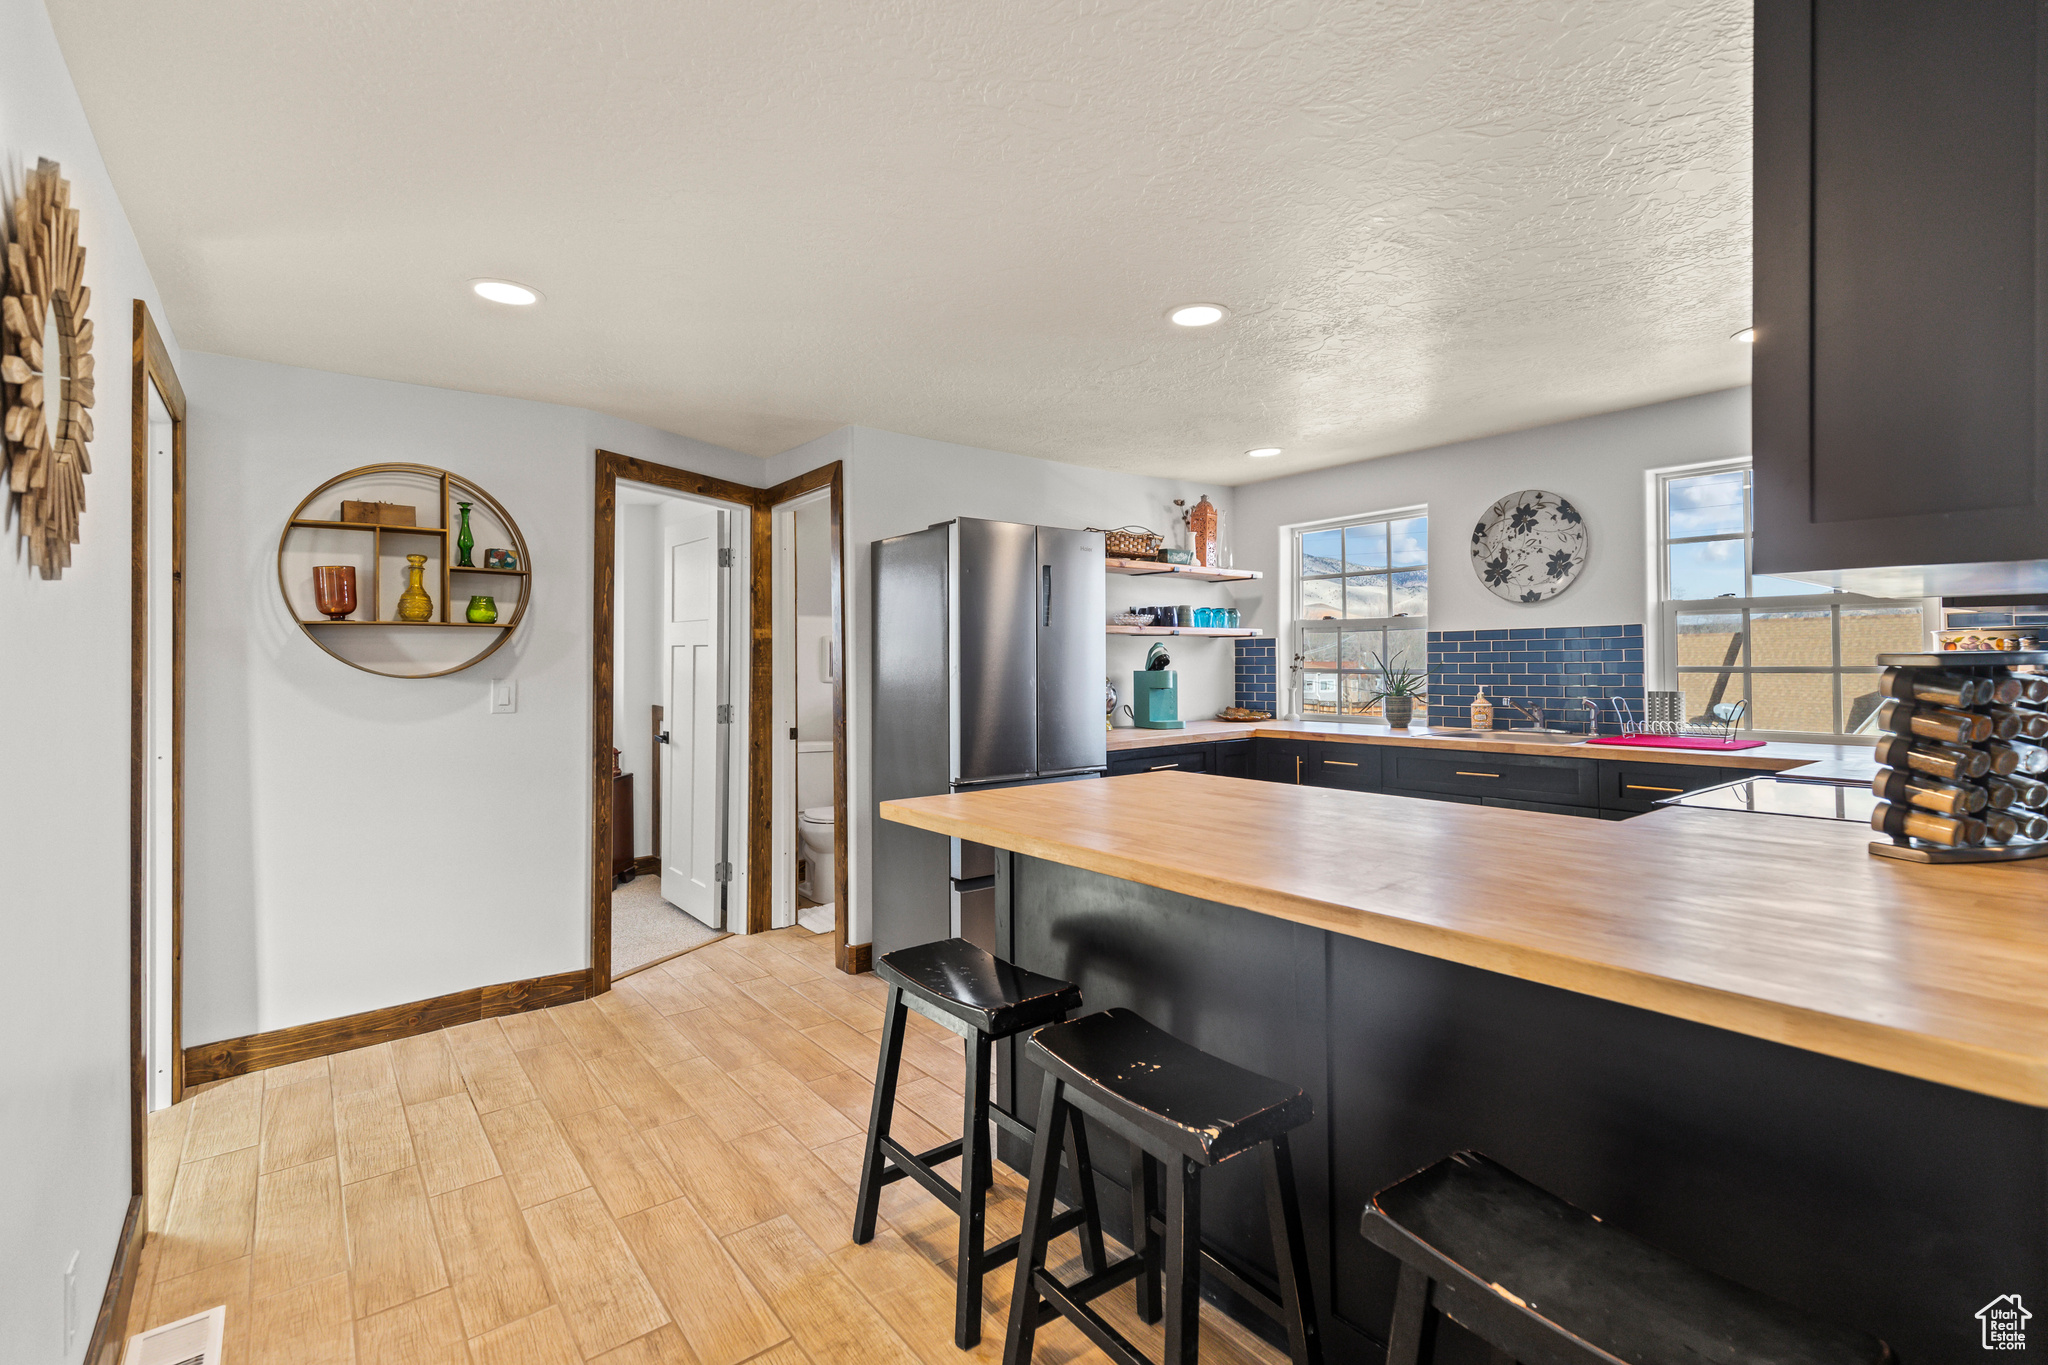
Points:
(693, 864)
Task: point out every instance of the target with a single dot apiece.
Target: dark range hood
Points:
(1901, 373)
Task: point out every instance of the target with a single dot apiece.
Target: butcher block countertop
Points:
(1854, 760)
(1779, 928)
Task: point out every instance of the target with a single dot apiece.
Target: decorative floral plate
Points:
(1529, 546)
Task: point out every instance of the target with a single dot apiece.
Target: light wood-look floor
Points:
(660, 1176)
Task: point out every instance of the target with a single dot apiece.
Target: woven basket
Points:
(1130, 542)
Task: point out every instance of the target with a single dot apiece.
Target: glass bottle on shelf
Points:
(464, 541)
(413, 603)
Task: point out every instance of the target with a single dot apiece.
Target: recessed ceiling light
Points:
(1747, 336)
(1264, 452)
(504, 291)
(1198, 314)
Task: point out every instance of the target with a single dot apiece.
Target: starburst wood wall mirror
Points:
(46, 363)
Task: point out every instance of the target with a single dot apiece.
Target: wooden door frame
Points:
(854, 958)
(760, 663)
(151, 364)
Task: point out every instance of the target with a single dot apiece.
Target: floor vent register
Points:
(188, 1341)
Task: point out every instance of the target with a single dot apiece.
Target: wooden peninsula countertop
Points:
(1772, 926)
(1851, 760)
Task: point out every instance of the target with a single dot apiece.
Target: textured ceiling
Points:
(962, 219)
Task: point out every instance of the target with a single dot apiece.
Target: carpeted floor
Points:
(647, 929)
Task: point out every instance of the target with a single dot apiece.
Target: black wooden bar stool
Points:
(1174, 1104)
(982, 998)
(1546, 1283)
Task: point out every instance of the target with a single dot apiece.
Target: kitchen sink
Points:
(1519, 736)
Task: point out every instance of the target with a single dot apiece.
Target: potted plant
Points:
(1396, 690)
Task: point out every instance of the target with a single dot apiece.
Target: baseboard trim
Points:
(110, 1328)
(859, 958)
(259, 1051)
(644, 865)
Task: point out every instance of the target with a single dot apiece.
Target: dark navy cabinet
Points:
(1187, 758)
(1901, 365)
(1577, 783)
(1333, 763)
(1566, 784)
(1636, 787)
(1280, 760)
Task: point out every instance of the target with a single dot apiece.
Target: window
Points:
(1362, 593)
(1804, 657)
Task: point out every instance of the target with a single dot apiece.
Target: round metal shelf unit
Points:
(377, 643)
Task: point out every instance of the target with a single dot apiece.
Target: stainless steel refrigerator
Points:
(989, 657)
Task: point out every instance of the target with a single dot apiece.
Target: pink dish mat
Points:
(1676, 742)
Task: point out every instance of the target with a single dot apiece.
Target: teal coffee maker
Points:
(1155, 692)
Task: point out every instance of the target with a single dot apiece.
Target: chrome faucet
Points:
(1592, 705)
(1533, 716)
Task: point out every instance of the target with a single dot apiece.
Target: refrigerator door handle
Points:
(1045, 571)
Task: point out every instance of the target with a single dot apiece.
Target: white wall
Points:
(897, 483)
(1598, 462)
(358, 841)
(64, 1171)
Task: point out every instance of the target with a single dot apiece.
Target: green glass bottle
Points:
(464, 540)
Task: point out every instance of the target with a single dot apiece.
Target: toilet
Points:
(814, 847)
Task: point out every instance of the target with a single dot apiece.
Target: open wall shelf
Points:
(445, 644)
(1148, 568)
(1182, 630)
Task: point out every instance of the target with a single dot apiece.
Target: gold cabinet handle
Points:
(1162, 767)
(1297, 770)
(1635, 787)
(1465, 774)
(1339, 763)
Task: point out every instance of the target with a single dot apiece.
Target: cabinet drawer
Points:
(1510, 777)
(1187, 760)
(1353, 767)
(1639, 786)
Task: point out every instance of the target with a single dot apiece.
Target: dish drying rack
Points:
(1660, 727)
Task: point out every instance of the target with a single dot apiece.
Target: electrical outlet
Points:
(504, 696)
(71, 1305)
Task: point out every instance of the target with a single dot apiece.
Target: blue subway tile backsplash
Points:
(1554, 667)
(1258, 674)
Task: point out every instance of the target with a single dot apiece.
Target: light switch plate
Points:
(504, 696)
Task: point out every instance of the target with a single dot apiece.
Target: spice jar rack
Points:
(1963, 758)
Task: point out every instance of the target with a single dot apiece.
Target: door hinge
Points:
(725, 715)
(723, 873)
(725, 559)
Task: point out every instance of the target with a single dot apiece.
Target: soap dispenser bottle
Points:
(1482, 712)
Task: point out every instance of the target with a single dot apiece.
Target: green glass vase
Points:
(483, 610)
(464, 540)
